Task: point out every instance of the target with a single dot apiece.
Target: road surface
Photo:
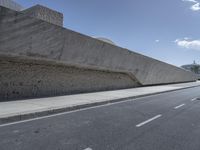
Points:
(169, 121)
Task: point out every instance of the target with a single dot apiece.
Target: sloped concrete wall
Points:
(22, 35)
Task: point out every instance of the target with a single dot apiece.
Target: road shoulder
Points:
(31, 108)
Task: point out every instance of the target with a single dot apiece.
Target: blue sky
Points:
(167, 30)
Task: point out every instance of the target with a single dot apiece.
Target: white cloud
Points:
(193, 1)
(157, 41)
(188, 44)
(186, 38)
(195, 7)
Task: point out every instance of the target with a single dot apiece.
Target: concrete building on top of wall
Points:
(106, 40)
(45, 14)
(37, 11)
(11, 5)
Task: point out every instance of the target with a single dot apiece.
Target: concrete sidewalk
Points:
(26, 109)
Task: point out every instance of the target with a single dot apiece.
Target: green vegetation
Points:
(195, 69)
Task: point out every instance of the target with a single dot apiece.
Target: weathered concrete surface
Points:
(10, 4)
(45, 14)
(22, 35)
(28, 79)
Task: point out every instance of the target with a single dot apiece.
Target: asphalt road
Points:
(169, 121)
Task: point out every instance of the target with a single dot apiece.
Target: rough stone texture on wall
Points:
(26, 79)
(45, 14)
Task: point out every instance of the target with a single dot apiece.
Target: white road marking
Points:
(88, 148)
(73, 111)
(194, 99)
(82, 109)
(149, 120)
(49, 116)
(179, 106)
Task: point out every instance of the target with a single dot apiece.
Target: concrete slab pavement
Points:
(31, 108)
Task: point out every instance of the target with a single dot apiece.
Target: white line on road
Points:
(88, 148)
(179, 106)
(194, 99)
(149, 120)
(73, 111)
(78, 110)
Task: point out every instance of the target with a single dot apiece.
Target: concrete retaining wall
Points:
(22, 35)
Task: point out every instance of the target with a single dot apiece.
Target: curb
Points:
(31, 115)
